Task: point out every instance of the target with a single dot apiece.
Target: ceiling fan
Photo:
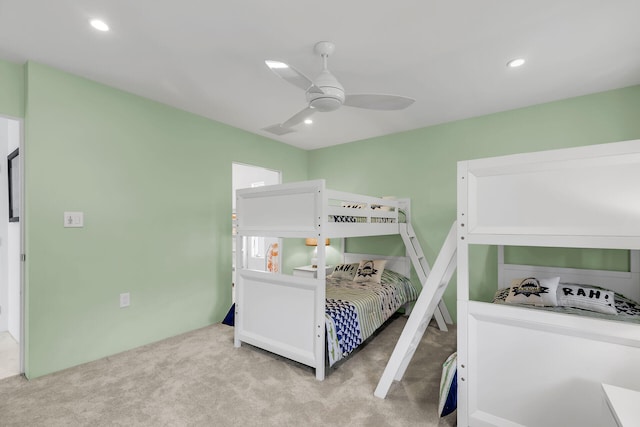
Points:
(325, 93)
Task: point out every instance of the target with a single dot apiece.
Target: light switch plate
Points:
(125, 300)
(74, 219)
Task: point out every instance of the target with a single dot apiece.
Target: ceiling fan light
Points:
(275, 64)
(308, 121)
(325, 104)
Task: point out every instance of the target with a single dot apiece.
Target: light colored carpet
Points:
(200, 379)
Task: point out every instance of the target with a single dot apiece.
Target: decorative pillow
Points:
(586, 298)
(381, 207)
(345, 271)
(370, 270)
(354, 205)
(533, 291)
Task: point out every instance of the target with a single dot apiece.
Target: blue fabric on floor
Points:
(230, 317)
(452, 398)
(449, 386)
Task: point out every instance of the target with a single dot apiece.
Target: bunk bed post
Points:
(463, 293)
(634, 265)
(321, 278)
(500, 265)
(237, 320)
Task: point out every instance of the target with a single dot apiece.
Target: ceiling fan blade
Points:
(378, 101)
(278, 130)
(286, 127)
(293, 76)
(299, 117)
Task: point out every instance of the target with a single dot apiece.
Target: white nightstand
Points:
(623, 404)
(309, 271)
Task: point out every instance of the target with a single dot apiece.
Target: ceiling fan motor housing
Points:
(333, 93)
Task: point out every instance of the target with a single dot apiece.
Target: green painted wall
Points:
(12, 89)
(421, 164)
(154, 184)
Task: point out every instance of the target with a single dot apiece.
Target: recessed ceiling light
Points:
(515, 62)
(308, 121)
(275, 64)
(99, 25)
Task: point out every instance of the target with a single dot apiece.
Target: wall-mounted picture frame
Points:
(13, 168)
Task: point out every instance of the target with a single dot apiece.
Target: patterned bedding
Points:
(363, 219)
(626, 309)
(354, 310)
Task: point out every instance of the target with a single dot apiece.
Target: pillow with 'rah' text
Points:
(586, 298)
(345, 271)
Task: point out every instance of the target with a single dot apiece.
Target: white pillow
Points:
(533, 291)
(370, 270)
(586, 298)
(381, 207)
(345, 271)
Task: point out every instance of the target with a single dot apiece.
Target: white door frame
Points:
(21, 233)
(23, 257)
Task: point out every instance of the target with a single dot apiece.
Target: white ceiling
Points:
(207, 57)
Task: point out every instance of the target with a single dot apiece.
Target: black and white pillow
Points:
(345, 271)
(370, 270)
(587, 298)
(353, 205)
(532, 291)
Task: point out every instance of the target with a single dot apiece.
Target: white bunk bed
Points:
(266, 303)
(519, 366)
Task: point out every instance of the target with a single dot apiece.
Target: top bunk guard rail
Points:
(308, 208)
(552, 198)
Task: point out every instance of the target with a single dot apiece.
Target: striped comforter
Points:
(354, 310)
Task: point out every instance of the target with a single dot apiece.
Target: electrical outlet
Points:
(125, 300)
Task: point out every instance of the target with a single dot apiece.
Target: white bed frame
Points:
(265, 302)
(519, 366)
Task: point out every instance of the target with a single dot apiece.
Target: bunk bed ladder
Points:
(426, 306)
(420, 264)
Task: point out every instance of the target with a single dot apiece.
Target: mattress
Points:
(355, 310)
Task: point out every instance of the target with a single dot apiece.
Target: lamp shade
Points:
(312, 241)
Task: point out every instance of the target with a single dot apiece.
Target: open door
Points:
(11, 248)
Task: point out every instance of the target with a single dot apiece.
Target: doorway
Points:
(260, 253)
(11, 237)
